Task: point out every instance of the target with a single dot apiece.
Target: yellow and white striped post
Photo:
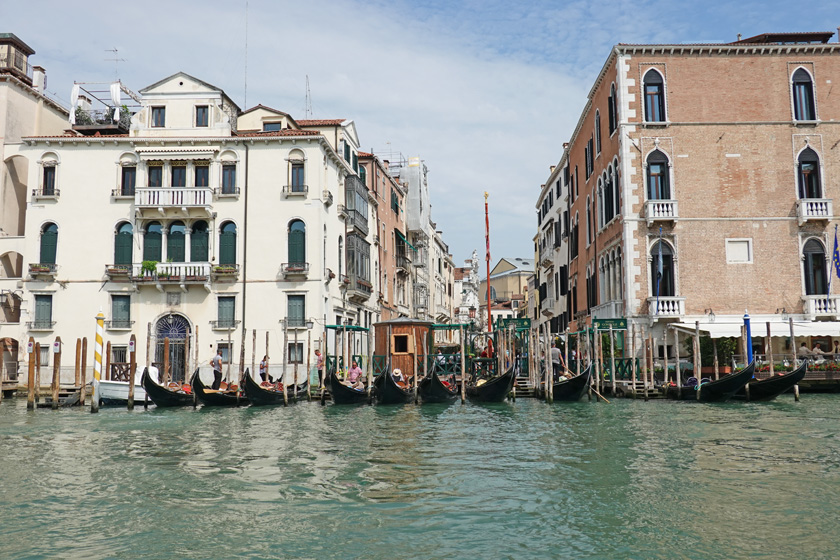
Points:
(97, 363)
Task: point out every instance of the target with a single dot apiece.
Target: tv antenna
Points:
(308, 107)
(116, 60)
(246, 54)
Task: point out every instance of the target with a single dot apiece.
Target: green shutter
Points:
(49, 241)
(297, 244)
(199, 246)
(120, 308)
(43, 309)
(123, 248)
(296, 311)
(227, 247)
(175, 247)
(226, 310)
(152, 246)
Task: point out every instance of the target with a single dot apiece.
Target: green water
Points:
(520, 480)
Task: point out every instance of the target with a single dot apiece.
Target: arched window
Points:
(297, 243)
(227, 243)
(803, 96)
(815, 277)
(657, 176)
(597, 132)
(654, 97)
(616, 190)
(152, 242)
(124, 244)
(588, 222)
(809, 174)
(613, 110)
(49, 243)
(602, 217)
(176, 242)
(199, 242)
(662, 270)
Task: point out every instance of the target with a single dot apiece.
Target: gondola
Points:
(432, 389)
(260, 396)
(713, 391)
(342, 394)
(494, 390)
(572, 389)
(211, 397)
(163, 396)
(388, 392)
(770, 388)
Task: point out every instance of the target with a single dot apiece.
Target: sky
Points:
(485, 92)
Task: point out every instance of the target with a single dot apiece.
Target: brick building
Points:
(698, 183)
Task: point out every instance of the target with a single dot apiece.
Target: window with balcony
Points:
(296, 311)
(297, 243)
(662, 270)
(49, 244)
(809, 174)
(228, 179)
(155, 175)
(176, 242)
(158, 117)
(227, 312)
(153, 242)
(202, 175)
(659, 187)
(199, 242)
(803, 96)
(227, 244)
(48, 186)
(124, 245)
(654, 87)
(201, 116)
(179, 175)
(128, 180)
(298, 177)
(120, 311)
(816, 281)
(43, 312)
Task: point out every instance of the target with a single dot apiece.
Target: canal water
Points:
(515, 480)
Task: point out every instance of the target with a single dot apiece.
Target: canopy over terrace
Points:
(777, 328)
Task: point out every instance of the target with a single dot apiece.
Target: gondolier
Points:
(555, 359)
(216, 362)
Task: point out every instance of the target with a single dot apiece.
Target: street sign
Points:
(618, 324)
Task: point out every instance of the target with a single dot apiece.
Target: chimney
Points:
(39, 79)
(739, 37)
(551, 168)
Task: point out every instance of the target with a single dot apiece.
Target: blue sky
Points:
(486, 92)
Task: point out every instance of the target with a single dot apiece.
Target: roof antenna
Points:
(116, 60)
(246, 54)
(739, 37)
(308, 108)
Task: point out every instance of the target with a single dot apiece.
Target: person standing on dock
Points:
(216, 362)
(319, 365)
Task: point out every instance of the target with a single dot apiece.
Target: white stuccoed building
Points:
(202, 223)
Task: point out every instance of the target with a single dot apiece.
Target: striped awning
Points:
(759, 328)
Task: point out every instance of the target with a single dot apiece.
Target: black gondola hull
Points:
(388, 392)
(161, 396)
(262, 396)
(208, 397)
(495, 390)
(770, 388)
(342, 394)
(432, 390)
(714, 391)
(572, 389)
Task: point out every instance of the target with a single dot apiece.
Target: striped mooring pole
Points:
(97, 362)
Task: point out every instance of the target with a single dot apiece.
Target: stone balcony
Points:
(165, 273)
(547, 307)
(669, 306)
(193, 201)
(814, 209)
(612, 310)
(661, 211)
(822, 306)
(42, 270)
(296, 269)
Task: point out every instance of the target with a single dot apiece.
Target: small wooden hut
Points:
(400, 342)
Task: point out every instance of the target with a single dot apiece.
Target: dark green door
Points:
(49, 242)
(199, 243)
(297, 243)
(227, 244)
(152, 243)
(124, 245)
(176, 243)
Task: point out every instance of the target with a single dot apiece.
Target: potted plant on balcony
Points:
(38, 268)
(148, 270)
(224, 270)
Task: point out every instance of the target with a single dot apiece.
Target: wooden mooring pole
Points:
(37, 372)
(132, 369)
(56, 380)
(83, 380)
(30, 379)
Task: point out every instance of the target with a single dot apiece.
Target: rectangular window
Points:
(201, 116)
(179, 175)
(120, 312)
(43, 311)
(228, 179)
(202, 175)
(298, 180)
(401, 343)
(158, 117)
(297, 311)
(739, 251)
(129, 178)
(226, 351)
(46, 350)
(347, 152)
(227, 312)
(296, 353)
(156, 176)
(119, 354)
(49, 181)
(272, 127)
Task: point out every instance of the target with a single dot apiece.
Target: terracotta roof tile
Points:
(320, 122)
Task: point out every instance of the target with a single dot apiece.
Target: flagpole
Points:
(487, 235)
(835, 260)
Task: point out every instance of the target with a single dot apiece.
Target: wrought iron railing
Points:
(46, 193)
(223, 324)
(118, 324)
(40, 325)
(42, 268)
(294, 269)
(291, 190)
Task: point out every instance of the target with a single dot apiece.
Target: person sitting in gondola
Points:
(399, 378)
(354, 376)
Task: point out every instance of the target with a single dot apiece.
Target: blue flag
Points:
(835, 256)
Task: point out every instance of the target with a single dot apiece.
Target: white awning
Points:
(759, 328)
